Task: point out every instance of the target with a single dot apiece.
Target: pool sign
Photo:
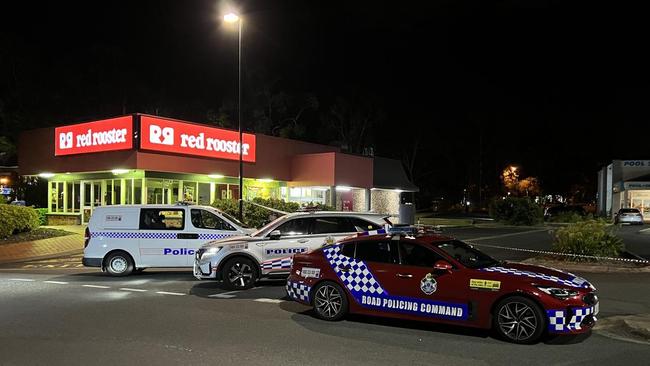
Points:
(160, 134)
(105, 135)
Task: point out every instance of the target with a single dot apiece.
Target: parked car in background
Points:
(628, 216)
(552, 213)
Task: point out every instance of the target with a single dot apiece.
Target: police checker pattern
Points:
(369, 293)
(575, 282)
(158, 235)
(277, 263)
(298, 291)
(557, 319)
(358, 278)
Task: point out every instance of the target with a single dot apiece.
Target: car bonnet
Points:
(539, 275)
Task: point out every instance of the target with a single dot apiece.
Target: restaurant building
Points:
(144, 159)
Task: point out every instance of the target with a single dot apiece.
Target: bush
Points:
(516, 211)
(591, 237)
(256, 216)
(42, 215)
(16, 219)
(570, 217)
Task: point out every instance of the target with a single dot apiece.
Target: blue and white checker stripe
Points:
(358, 278)
(574, 282)
(298, 291)
(152, 235)
(277, 263)
(372, 232)
(557, 319)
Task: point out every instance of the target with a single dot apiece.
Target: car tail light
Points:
(86, 237)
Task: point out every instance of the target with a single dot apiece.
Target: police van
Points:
(124, 239)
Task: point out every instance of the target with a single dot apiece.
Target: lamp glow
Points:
(231, 18)
(215, 176)
(119, 171)
(46, 175)
(266, 180)
(343, 188)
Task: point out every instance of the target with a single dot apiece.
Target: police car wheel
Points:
(330, 301)
(239, 274)
(119, 264)
(519, 320)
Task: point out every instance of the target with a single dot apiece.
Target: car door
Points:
(410, 285)
(294, 238)
(206, 226)
(162, 238)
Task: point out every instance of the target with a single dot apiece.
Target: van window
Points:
(203, 219)
(162, 219)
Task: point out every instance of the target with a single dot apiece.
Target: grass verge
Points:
(36, 234)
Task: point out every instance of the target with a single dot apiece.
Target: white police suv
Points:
(268, 252)
(123, 239)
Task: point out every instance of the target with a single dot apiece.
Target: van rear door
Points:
(163, 240)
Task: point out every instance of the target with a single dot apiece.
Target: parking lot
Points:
(168, 317)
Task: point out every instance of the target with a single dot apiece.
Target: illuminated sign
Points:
(105, 135)
(159, 134)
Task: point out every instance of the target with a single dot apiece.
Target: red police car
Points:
(440, 279)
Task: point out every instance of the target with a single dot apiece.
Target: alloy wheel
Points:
(328, 301)
(119, 264)
(240, 274)
(517, 321)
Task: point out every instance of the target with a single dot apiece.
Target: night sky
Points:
(558, 89)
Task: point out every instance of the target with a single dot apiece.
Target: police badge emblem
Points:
(329, 241)
(428, 285)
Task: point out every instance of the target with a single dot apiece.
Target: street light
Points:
(234, 18)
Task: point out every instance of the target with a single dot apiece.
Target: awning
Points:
(390, 174)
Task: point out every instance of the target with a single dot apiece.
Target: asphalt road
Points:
(53, 315)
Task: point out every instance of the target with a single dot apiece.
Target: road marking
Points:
(65, 265)
(225, 295)
(96, 286)
(22, 279)
(506, 235)
(170, 293)
(57, 282)
(272, 301)
(132, 289)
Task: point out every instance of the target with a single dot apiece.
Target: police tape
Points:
(629, 260)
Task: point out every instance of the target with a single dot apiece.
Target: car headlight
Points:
(558, 293)
(213, 250)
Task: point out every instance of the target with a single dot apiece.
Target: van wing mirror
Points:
(275, 234)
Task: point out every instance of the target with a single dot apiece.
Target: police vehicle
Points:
(123, 239)
(436, 278)
(268, 252)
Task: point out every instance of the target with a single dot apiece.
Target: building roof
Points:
(390, 174)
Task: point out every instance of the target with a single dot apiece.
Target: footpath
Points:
(45, 248)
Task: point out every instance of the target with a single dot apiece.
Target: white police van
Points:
(123, 239)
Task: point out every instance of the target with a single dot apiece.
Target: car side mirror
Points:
(275, 235)
(442, 266)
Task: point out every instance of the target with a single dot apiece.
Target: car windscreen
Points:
(234, 219)
(467, 255)
(628, 210)
(268, 226)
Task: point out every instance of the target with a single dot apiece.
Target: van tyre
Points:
(119, 264)
(330, 301)
(239, 273)
(518, 319)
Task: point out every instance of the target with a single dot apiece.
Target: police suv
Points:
(123, 239)
(268, 252)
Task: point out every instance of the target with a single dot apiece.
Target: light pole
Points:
(234, 18)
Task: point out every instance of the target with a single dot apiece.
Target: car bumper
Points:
(91, 262)
(204, 271)
(299, 290)
(630, 220)
(572, 320)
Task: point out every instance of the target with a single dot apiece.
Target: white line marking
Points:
(272, 301)
(22, 279)
(95, 286)
(65, 265)
(132, 289)
(169, 293)
(225, 295)
(507, 235)
(57, 282)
